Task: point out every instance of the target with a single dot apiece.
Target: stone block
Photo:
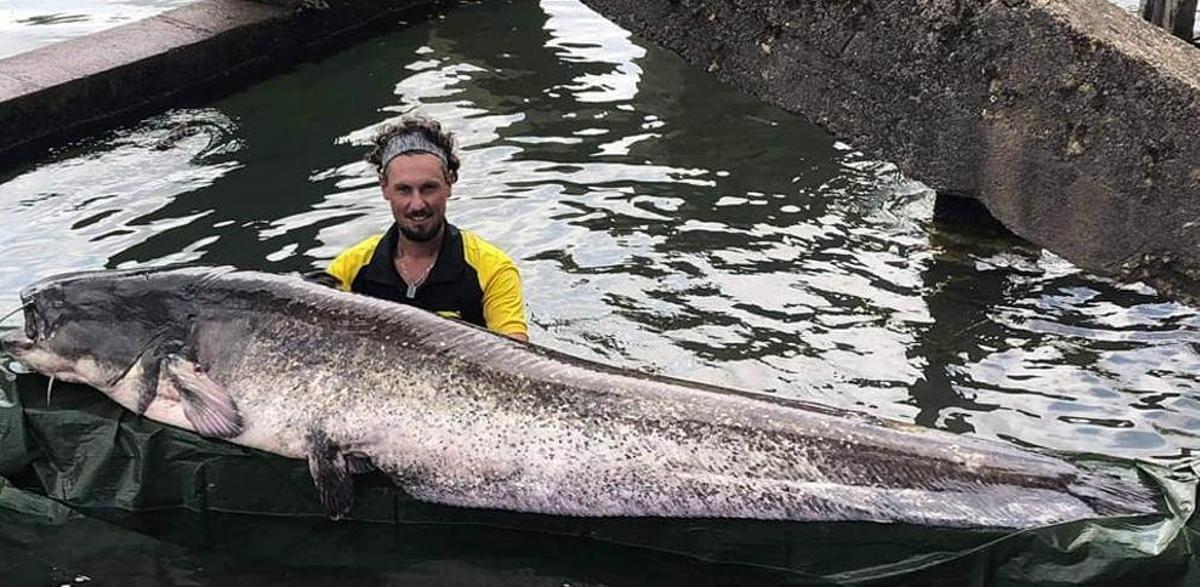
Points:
(1073, 121)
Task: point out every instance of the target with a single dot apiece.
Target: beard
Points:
(422, 234)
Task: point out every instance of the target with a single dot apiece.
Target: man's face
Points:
(415, 186)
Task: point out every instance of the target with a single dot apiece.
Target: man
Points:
(423, 260)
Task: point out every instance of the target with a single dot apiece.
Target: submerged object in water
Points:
(460, 416)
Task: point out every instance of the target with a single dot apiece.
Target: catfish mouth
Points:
(25, 344)
(30, 347)
(16, 343)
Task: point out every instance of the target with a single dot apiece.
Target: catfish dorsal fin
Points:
(206, 403)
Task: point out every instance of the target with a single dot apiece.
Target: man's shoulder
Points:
(365, 246)
(500, 282)
(345, 266)
(481, 254)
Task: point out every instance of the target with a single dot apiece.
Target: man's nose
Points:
(417, 204)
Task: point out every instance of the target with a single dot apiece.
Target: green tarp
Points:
(90, 492)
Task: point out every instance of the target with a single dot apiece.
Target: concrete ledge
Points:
(1073, 121)
(78, 86)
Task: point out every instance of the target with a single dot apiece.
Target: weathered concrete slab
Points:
(1075, 122)
(83, 84)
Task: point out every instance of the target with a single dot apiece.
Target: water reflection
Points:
(660, 221)
(104, 200)
(26, 25)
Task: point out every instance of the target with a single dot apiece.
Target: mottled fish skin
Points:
(460, 416)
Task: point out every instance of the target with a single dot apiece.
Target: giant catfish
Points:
(460, 416)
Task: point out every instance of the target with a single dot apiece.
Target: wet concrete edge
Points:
(77, 87)
(1073, 121)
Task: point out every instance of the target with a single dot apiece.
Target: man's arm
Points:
(319, 276)
(504, 303)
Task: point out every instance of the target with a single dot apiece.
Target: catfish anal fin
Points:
(206, 403)
(331, 474)
(358, 463)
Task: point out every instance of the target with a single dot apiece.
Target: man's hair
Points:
(431, 129)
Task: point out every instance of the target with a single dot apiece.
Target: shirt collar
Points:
(448, 267)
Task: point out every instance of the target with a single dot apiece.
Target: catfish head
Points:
(92, 327)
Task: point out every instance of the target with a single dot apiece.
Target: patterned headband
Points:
(413, 142)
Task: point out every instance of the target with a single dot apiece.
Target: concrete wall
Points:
(92, 82)
(1075, 123)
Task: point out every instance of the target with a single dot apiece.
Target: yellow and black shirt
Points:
(471, 280)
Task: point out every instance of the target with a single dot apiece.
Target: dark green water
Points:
(659, 220)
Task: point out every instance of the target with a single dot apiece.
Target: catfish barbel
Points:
(457, 415)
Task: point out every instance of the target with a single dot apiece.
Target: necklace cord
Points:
(411, 292)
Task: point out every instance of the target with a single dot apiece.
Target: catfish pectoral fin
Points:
(206, 403)
(331, 474)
